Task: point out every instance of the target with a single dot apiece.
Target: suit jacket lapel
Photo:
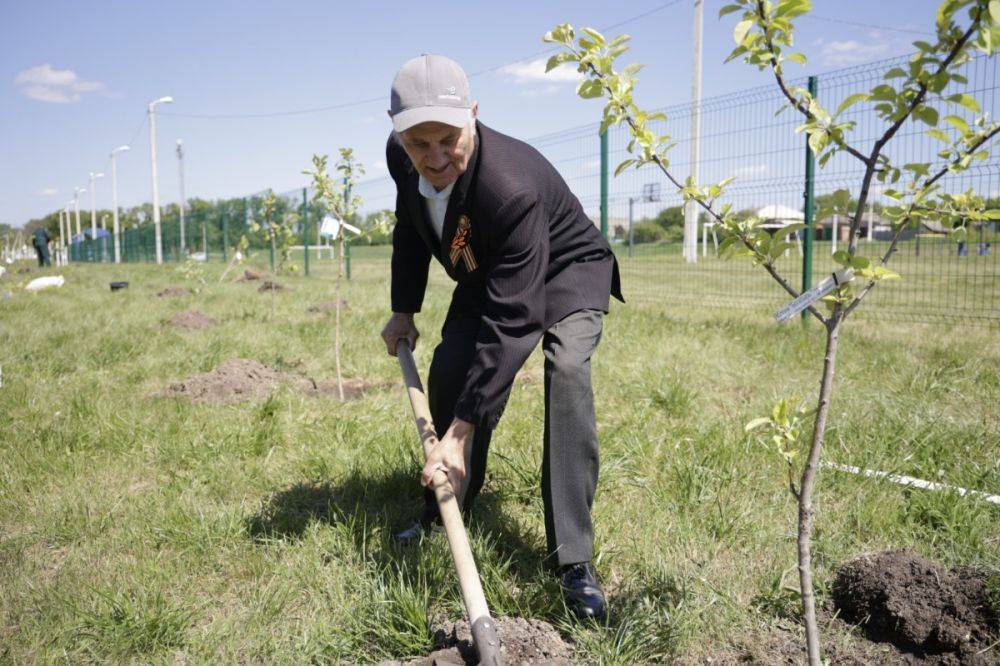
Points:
(457, 207)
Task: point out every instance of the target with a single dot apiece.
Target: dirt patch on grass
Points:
(270, 285)
(522, 642)
(935, 614)
(241, 379)
(192, 320)
(329, 306)
(248, 276)
(173, 292)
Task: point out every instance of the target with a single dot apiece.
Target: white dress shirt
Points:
(437, 203)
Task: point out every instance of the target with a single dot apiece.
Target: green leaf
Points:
(926, 114)
(938, 134)
(860, 263)
(796, 57)
(741, 30)
(895, 73)
(589, 89)
(596, 36)
(968, 101)
(995, 10)
(842, 258)
(957, 122)
(851, 101)
(559, 59)
(624, 165)
(729, 9)
(756, 423)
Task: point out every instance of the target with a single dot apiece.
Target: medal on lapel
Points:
(460, 245)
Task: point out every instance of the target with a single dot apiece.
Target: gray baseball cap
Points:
(430, 88)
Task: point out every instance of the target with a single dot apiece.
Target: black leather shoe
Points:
(582, 591)
(415, 531)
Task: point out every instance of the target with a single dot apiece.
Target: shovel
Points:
(484, 633)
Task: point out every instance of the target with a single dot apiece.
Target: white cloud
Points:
(837, 53)
(533, 71)
(48, 192)
(53, 95)
(539, 92)
(58, 86)
(380, 165)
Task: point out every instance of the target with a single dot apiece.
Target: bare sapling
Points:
(926, 91)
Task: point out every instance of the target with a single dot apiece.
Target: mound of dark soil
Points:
(192, 320)
(248, 276)
(521, 642)
(231, 381)
(26, 269)
(270, 285)
(173, 292)
(243, 379)
(329, 306)
(919, 606)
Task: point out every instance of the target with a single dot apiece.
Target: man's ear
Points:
(475, 109)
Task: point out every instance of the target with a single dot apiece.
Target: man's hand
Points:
(399, 327)
(452, 455)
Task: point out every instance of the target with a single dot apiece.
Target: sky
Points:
(75, 79)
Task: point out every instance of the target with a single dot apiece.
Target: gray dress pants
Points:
(570, 455)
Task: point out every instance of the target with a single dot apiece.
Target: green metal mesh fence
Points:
(944, 277)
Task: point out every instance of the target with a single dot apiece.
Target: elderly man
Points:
(530, 266)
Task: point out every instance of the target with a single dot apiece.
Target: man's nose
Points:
(438, 156)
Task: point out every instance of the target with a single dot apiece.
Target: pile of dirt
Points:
(243, 379)
(521, 642)
(26, 269)
(172, 292)
(248, 276)
(940, 615)
(329, 306)
(270, 285)
(192, 320)
(231, 381)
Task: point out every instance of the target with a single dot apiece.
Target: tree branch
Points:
(884, 260)
(797, 104)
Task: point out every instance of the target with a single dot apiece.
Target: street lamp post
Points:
(69, 232)
(76, 206)
(156, 186)
(114, 197)
(62, 241)
(93, 212)
(180, 166)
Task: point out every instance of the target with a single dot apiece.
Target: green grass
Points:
(136, 528)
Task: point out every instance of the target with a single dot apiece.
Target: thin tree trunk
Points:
(336, 328)
(806, 490)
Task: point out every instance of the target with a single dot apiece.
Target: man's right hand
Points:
(399, 327)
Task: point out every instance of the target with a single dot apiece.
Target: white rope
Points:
(911, 481)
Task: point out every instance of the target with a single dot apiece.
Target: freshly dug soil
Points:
(244, 379)
(329, 306)
(270, 285)
(522, 642)
(192, 320)
(248, 276)
(943, 616)
(26, 269)
(231, 381)
(171, 292)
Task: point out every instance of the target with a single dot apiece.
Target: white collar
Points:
(428, 191)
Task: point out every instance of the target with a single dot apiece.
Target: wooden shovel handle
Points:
(483, 628)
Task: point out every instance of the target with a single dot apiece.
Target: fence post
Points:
(225, 235)
(807, 233)
(305, 229)
(604, 184)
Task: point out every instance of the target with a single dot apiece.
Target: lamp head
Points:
(120, 149)
(162, 100)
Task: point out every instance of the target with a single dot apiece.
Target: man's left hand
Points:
(451, 455)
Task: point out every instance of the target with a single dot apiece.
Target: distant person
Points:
(531, 267)
(41, 242)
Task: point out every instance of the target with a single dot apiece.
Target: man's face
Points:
(440, 152)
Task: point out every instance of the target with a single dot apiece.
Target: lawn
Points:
(141, 528)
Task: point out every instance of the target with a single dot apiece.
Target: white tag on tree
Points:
(330, 226)
(807, 298)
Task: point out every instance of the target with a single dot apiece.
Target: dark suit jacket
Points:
(536, 258)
